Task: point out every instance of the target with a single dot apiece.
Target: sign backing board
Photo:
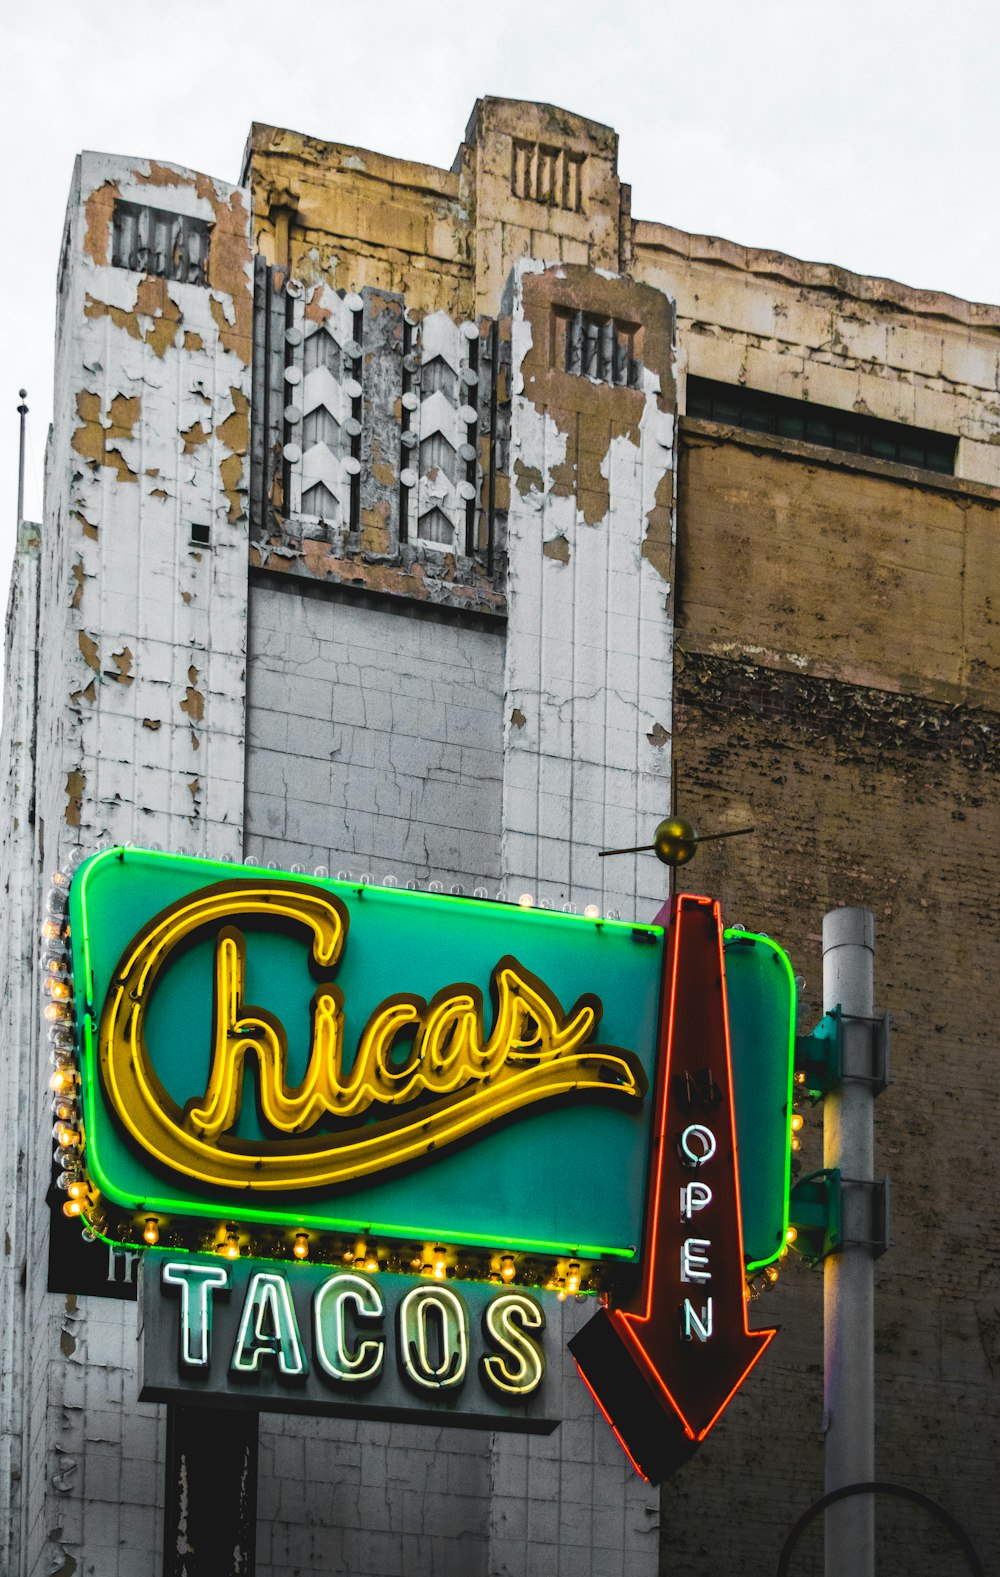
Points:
(311, 1339)
(525, 1182)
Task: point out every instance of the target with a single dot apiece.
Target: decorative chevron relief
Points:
(322, 417)
(444, 466)
(379, 433)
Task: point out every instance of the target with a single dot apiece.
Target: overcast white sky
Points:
(861, 132)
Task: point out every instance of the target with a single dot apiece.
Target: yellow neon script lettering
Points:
(453, 1080)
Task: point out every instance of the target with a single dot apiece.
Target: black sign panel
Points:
(313, 1339)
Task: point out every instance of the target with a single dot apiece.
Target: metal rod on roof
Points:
(22, 412)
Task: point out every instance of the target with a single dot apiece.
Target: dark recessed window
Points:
(594, 346)
(201, 536)
(153, 241)
(849, 431)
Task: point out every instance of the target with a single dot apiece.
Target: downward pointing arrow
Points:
(686, 1331)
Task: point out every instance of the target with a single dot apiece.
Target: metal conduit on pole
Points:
(849, 1273)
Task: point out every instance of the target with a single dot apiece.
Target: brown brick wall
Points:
(864, 797)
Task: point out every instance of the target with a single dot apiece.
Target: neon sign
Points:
(290, 1066)
(305, 1338)
(276, 1068)
(684, 1337)
(534, 1052)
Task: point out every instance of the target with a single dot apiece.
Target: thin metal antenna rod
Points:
(22, 411)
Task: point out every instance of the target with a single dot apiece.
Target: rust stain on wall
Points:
(160, 175)
(231, 472)
(228, 260)
(123, 662)
(656, 543)
(90, 438)
(99, 209)
(194, 702)
(235, 430)
(123, 413)
(89, 530)
(88, 649)
(76, 784)
(192, 436)
(153, 301)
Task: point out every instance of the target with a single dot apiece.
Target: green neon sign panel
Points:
(557, 1166)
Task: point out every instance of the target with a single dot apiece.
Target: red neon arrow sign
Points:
(685, 1332)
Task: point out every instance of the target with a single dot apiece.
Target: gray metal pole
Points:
(22, 411)
(849, 1274)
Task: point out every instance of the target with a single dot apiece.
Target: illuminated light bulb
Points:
(798, 1121)
(231, 1247)
(58, 1013)
(791, 1235)
(416, 1264)
(55, 965)
(440, 1262)
(65, 1136)
(783, 1252)
(573, 1276)
(72, 1207)
(59, 879)
(151, 1231)
(526, 901)
(507, 1267)
(371, 1264)
(58, 988)
(592, 912)
(347, 1256)
(800, 1078)
(51, 931)
(77, 1189)
(771, 1272)
(300, 1248)
(796, 1144)
(561, 1290)
(59, 1081)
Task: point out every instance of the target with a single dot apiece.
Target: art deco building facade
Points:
(430, 522)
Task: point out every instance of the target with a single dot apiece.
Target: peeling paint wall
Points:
(140, 694)
(589, 647)
(21, 1099)
(374, 740)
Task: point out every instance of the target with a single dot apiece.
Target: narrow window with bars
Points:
(153, 241)
(543, 174)
(591, 345)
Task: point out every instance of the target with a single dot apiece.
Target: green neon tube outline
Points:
(775, 947)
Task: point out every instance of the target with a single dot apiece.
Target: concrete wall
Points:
(374, 739)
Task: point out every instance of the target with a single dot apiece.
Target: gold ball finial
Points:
(675, 841)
